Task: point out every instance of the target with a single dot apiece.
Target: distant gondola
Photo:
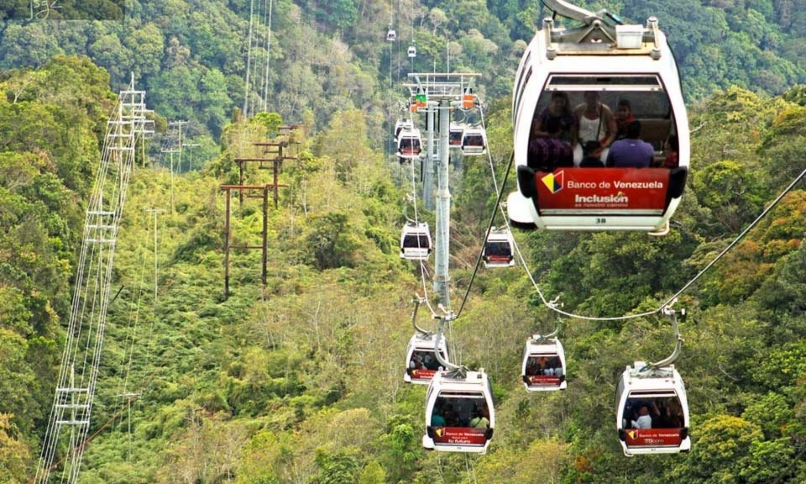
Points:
(474, 141)
(499, 249)
(652, 411)
(459, 413)
(421, 360)
(415, 241)
(543, 367)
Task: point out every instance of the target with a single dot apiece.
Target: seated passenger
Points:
(531, 367)
(595, 123)
(624, 117)
(551, 135)
(644, 419)
(480, 421)
(671, 149)
(437, 420)
(588, 159)
(631, 152)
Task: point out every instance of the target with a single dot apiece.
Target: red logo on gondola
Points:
(460, 435)
(653, 438)
(598, 189)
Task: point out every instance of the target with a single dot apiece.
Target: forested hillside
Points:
(193, 55)
(301, 381)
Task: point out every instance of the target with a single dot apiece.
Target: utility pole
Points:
(276, 155)
(443, 92)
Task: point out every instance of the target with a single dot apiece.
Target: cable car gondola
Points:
(415, 241)
(618, 62)
(459, 412)
(651, 405)
(421, 360)
(412, 51)
(474, 141)
(499, 249)
(659, 394)
(455, 135)
(543, 366)
(409, 144)
(391, 35)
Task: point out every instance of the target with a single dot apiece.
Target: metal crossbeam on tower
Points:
(78, 374)
(271, 158)
(441, 93)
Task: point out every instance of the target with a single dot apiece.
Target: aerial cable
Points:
(417, 223)
(686, 286)
(487, 232)
(248, 60)
(268, 58)
(739, 237)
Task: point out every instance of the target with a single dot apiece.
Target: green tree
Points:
(14, 454)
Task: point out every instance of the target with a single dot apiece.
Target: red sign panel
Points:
(418, 374)
(653, 438)
(460, 436)
(603, 189)
(544, 381)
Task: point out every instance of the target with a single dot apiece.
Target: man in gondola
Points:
(632, 151)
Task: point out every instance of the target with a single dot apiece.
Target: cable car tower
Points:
(75, 389)
(434, 93)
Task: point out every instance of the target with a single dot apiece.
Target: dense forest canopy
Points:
(193, 55)
(300, 381)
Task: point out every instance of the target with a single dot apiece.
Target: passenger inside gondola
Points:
(670, 149)
(656, 413)
(437, 418)
(551, 136)
(632, 151)
(480, 420)
(463, 411)
(424, 360)
(624, 117)
(595, 124)
(543, 366)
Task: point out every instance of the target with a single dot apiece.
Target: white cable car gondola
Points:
(543, 366)
(651, 406)
(459, 412)
(474, 141)
(421, 360)
(455, 135)
(391, 35)
(659, 394)
(409, 144)
(415, 241)
(499, 249)
(412, 51)
(619, 62)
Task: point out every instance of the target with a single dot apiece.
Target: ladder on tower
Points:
(70, 415)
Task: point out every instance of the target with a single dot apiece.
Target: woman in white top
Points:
(595, 123)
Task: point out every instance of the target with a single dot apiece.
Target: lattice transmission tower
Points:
(69, 423)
